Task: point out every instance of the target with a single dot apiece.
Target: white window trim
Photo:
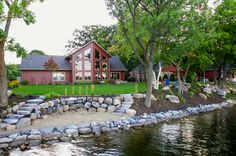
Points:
(59, 80)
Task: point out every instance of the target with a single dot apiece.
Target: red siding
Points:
(44, 77)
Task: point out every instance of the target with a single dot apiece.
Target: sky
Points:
(56, 21)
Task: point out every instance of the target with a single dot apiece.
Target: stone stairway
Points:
(24, 111)
(126, 104)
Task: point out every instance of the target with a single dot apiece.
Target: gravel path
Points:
(70, 117)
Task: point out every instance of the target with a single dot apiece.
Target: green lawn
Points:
(82, 89)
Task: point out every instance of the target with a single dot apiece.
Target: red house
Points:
(89, 63)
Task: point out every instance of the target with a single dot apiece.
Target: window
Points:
(97, 55)
(87, 65)
(104, 57)
(78, 64)
(115, 76)
(79, 56)
(104, 76)
(87, 54)
(58, 76)
(104, 65)
(97, 65)
(78, 76)
(97, 76)
(87, 75)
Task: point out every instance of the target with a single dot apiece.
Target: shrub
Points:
(52, 95)
(191, 93)
(171, 92)
(24, 82)
(13, 84)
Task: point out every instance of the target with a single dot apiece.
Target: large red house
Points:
(90, 63)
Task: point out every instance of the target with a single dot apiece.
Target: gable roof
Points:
(79, 48)
(116, 64)
(36, 62)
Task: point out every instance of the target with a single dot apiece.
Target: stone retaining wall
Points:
(34, 137)
(21, 115)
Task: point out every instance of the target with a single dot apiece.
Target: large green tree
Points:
(11, 10)
(13, 71)
(147, 25)
(36, 52)
(101, 34)
(222, 40)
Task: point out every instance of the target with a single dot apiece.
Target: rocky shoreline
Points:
(34, 137)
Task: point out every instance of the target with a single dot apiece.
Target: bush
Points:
(24, 82)
(52, 95)
(13, 84)
(191, 93)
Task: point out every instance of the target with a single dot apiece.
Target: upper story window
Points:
(97, 54)
(87, 54)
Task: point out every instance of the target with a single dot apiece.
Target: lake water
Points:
(207, 134)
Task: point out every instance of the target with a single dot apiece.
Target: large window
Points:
(87, 54)
(87, 65)
(115, 76)
(87, 76)
(78, 76)
(97, 76)
(58, 76)
(79, 65)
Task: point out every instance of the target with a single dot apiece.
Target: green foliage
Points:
(51, 95)
(191, 77)
(13, 84)
(101, 34)
(24, 82)
(191, 93)
(13, 71)
(36, 52)
(171, 92)
(136, 88)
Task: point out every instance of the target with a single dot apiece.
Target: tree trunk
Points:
(179, 79)
(215, 76)
(149, 77)
(3, 78)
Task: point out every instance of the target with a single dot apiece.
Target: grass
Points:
(81, 89)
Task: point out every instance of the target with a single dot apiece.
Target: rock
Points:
(46, 130)
(104, 105)
(101, 109)
(3, 125)
(9, 110)
(139, 96)
(33, 143)
(19, 140)
(111, 108)
(34, 137)
(172, 98)
(15, 108)
(35, 101)
(131, 112)
(95, 99)
(10, 121)
(108, 101)
(74, 106)
(4, 146)
(207, 90)
(23, 122)
(23, 147)
(33, 116)
(87, 105)
(9, 93)
(116, 101)
(13, 136)
(221, 92)
(100, 100)
(10, 127)
(66, 108)
(72, 132)
(21, 104)
(92, 110)
(5, 140)
(204, 97)
(85, 125)
(153, 98)
(3, 114)
(85, 131)
(60, 109)
(43, 111)
(34, 132)
(51, 103)
(44, 105)
(65, 139)
(166, 88)
(95, 104)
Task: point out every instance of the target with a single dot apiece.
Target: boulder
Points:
(66, 108)
(9, 110)
(34, 137)
(108, 101)
(111, 108)
(3, 114)
(87, 105)
(153, 98)
(19, 140)
(131, 111)
(44, 105)
(116, 101)
(84, 125)
(92, 110)
(15, 108)
(72, 132)
(138, 96)
(10, 127)
(5, 140)
(95, 104)
(85, 131)
(207, 90)
(104, 105)
(166, 88)
(23, 122)
(172, 98)
(95, 99)
(33, 116)
(203, 96)
(35, 101)
(4, 146)
(9, 93)
(101, 109)
(34, 132)
(10, 121)
(100, 100)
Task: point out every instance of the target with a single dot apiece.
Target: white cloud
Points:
(56, 20)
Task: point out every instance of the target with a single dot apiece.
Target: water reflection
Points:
(209, 134)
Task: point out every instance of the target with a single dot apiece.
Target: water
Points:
(208, 134)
